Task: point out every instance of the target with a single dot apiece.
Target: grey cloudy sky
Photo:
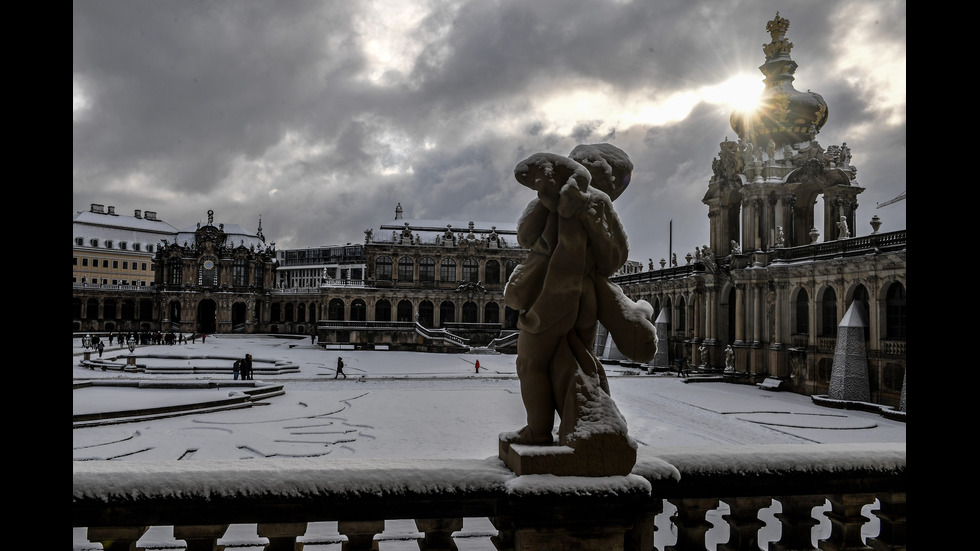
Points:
(320, 116)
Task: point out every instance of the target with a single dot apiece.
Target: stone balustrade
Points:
(117, 501)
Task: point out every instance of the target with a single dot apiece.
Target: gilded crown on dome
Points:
(777, 28)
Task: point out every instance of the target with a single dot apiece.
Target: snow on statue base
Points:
(575, 242)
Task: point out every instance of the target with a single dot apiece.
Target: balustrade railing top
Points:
(120, 499)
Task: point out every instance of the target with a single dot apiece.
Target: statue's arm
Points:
(531, 224)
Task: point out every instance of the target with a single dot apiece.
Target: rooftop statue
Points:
(562, 290)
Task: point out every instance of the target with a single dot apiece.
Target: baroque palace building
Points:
(767, 285)
(202, 279)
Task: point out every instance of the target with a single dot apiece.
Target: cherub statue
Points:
(562, 289)
(729, 359)
(843, 232)
(736, 248)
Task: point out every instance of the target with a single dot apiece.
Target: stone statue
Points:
(729, 359)
(708, 258)
(736, 248)
(771, 150)
(673, 260)
(843, 232)
(845, 155)
(780, 237)
(562, 289)
(703, 354)
(650, 265)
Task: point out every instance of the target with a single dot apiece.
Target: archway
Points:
(207, 316)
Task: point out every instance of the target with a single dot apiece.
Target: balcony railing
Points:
(117, 501)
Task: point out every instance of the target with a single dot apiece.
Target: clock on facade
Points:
(208, 264)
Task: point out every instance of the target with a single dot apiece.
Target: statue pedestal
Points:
(599, 455)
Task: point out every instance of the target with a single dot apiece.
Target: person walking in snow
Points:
(340, 368)
(236, 368)
(101, 348)
(477, 366)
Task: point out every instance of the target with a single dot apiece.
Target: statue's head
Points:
(609, 166)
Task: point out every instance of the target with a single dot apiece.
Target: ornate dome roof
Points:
(784, 114)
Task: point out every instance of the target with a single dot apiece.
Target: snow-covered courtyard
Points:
(404, 405)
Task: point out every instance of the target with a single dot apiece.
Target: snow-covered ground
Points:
(412, 405)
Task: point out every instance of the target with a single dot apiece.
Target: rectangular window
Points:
(115, 264)
(125, 265)
(105, 263)
(74, 261)
(143, 266)
(84, 262)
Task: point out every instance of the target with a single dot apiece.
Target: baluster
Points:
(203, 537)
(846, 521)
(691, 522)
(360, 534)
(797, 522)
(744, 522)
(438, 533)
(641, 536)
(122, 538)
(281, 536)
(891, 517)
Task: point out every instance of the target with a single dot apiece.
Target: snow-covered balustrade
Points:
(117, 501)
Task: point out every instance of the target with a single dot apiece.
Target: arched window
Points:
(259, 274)
(404, 310)
(406, 269)
(895, 322)
(426, 313)
(383, 268)
(469, 312)
(471, 271)
(382, 310)
(239, 272)
(427, 269)
(801, 311)
(335, 310)
(828, 313)
(358, 310)
(492, 272)
(447, 270)
(289, 312)
(491, 313)
(176, 275)
(447, 312)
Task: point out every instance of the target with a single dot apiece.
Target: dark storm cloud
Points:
(278, 110)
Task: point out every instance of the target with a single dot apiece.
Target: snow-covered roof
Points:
(108, 226)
